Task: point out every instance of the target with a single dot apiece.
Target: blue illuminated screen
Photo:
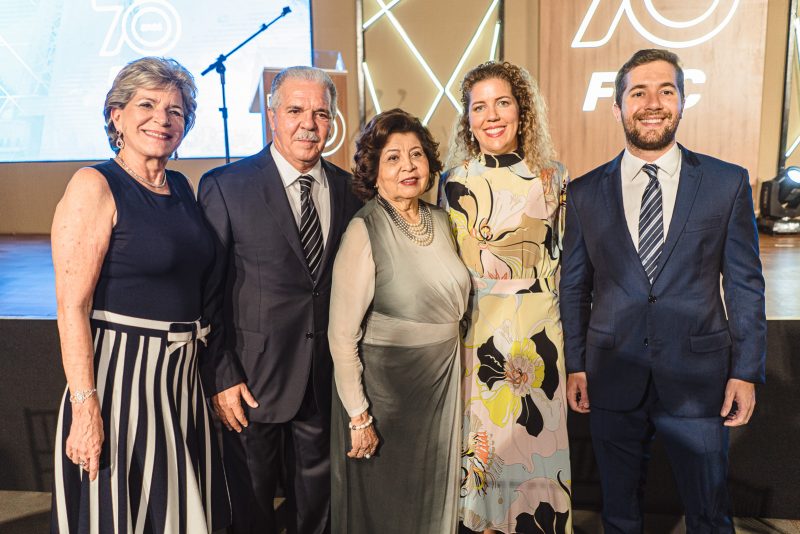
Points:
(59, 57)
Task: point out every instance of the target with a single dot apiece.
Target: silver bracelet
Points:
(361, 426)
(79, 397)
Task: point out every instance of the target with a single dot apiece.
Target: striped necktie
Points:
(310, 228)
(651, 223)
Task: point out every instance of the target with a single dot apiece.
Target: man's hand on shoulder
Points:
(744, 395)
(228, 406)
(578, 392)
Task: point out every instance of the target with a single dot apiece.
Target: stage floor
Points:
(27, 288)
(29, 513)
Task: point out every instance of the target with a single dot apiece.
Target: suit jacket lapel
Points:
(688, 185)
(274, 194)
(612, 192)
(337, 190)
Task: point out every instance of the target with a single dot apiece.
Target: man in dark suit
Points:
(278, 217)
(647, 332)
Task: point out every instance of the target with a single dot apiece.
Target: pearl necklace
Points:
(130, 171)
(420, 233)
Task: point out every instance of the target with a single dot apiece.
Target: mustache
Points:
(307, 135)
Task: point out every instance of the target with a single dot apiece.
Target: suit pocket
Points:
(710, 342)
(251, 341)
(706, 223)
(602, 340)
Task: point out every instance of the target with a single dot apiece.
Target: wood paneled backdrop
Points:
(726, 120)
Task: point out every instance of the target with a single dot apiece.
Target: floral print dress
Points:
(515, 454)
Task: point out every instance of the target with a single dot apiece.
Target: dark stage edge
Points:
(764, 465)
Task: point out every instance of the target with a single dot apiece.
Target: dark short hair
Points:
(643, 57)
(373, 138)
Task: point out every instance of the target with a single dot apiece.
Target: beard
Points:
(651, 139)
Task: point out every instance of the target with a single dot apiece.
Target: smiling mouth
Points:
(652, 121)
(495, 131)
(409, 181)
(157, 135)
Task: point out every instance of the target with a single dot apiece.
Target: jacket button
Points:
(309, 335)
(645, 342)
(651, 299)
(315, 293)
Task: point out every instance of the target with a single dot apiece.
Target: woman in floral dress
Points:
(505, 201)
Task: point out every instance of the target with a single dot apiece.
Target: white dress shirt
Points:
(320, 193)
(634, 182)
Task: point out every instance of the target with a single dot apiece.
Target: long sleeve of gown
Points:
(351, 294)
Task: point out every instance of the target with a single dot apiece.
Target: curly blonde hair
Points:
(533, 135)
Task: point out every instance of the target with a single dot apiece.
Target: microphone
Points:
(219, 66)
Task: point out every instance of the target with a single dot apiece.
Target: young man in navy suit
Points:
(649, 337)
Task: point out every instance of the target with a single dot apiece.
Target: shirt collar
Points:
(289, 174)
(667, 163)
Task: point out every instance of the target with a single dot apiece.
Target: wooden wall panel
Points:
(726, 120)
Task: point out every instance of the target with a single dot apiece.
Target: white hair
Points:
(310, 74)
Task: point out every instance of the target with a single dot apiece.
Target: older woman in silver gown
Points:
(399, 291)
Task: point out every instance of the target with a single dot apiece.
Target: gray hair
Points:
(149, 73)
(309, 74)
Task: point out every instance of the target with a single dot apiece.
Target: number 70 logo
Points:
(625, 8)
(150, 27)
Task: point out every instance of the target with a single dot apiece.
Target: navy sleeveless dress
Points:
(160, 469)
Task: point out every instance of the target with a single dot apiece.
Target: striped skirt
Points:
(160, 468)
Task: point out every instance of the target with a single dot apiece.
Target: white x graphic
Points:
(442, 89)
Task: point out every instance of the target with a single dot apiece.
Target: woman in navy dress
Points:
(135, 448)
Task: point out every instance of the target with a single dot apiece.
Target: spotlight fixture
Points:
(780, 203)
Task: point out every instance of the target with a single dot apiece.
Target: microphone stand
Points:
(219, 66)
